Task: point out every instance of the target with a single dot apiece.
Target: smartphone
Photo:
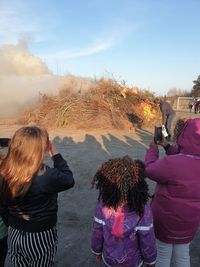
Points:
(159, 132)
(158, 136)
(4, 142)
(164, 131)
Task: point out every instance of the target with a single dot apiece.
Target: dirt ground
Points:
(84, 152)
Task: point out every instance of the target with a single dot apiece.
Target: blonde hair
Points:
(25, 156)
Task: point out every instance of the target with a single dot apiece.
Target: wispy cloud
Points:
(89, 50)
(17, 21)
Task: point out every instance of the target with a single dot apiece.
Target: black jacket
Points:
(38, 209)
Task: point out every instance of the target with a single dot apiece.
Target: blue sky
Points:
(153, 44)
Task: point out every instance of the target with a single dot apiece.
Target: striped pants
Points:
(32, 249)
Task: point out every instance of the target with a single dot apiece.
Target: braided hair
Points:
(121, 181)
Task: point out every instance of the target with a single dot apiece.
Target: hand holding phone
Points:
(160, 135)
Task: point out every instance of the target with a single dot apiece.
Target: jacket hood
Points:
(120, 222)
(189, 138)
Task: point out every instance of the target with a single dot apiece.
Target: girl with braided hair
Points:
(123, 232)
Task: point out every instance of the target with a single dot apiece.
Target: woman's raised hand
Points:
(52, 149)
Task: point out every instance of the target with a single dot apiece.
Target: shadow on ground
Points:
(77, 206)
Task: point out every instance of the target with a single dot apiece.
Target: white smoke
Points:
(17, 60)
(22, 77)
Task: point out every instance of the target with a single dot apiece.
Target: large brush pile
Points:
(106, 104)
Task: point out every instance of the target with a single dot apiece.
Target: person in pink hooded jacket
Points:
(176, 202)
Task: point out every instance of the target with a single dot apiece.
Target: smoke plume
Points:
(22, 77)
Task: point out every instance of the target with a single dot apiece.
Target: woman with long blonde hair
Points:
(28, 188)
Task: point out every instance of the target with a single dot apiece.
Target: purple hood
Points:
(189, 139)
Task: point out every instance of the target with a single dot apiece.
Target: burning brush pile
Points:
(105, 104)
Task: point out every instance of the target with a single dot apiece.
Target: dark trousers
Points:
(3, 250)
(167, 121)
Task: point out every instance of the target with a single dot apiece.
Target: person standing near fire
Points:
(167, 115)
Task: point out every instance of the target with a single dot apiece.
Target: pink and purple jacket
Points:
(176, 202)
(123, 238)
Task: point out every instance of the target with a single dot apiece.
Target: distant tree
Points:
(177, 92)
(172, 92)
(196, 88)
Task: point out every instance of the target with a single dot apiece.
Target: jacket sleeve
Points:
(171, 150)
(146, 236)
(157, 169)
(4, 213)
(57, 179)
(97, 232)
